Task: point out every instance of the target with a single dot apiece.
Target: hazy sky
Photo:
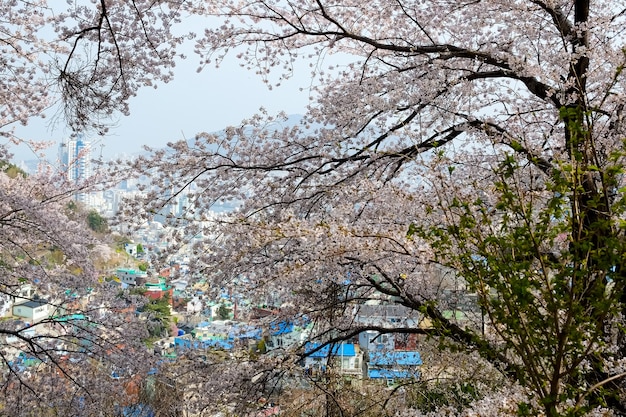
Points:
(193, 102)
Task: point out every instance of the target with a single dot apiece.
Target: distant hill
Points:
(30, 165)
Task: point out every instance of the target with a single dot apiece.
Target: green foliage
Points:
(541, 263)
(159, 307)
(223, 312)
(120, 242)
(13, 171)
(138, 291)
(432, 397)
(72, 206)
(159, 316)
(140, 249)
(261, 346)
(96, 222)
(143, 266)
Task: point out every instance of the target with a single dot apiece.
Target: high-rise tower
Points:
(75, 160)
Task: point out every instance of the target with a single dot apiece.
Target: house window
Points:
(380, 338)
(402, 341)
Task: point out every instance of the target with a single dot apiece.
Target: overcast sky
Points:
(193, 102)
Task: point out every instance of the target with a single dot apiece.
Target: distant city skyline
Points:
(193, 102)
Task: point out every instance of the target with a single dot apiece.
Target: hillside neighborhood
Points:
(192, 321)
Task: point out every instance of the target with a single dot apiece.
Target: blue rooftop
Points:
(283, 327)
(395, 358)
(69, 317)
(391, 374)
(343, 349)
(245, 332)
(181, 343)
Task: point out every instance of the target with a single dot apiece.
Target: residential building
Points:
(285, 334)
(392, 317)
(32, 310)
(131, 276)
(393, 365)
(387, 315)
(345, 358)
(157, 288)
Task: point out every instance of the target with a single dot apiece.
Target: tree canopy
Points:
(465, 155)
(82, 61)
(96, 222)
(465, 149)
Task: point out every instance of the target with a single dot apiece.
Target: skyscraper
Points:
(75, 158)
(75, 161)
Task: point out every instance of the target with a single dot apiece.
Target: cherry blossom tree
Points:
(460, 148)
(81, 61)
(87, 59)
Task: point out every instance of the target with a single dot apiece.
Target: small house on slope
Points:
(345, 358)
(32, 310)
